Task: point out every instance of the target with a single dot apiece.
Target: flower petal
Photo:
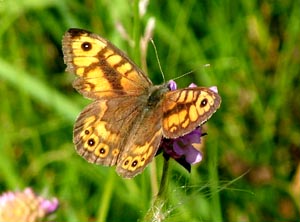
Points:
(172, 85)
(193, 156)
(214, 88)
(192, 85)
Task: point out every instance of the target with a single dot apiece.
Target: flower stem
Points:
(164, 179)
(156, 213)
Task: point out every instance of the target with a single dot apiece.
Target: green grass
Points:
(251, 153)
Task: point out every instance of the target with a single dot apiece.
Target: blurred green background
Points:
(250, 170)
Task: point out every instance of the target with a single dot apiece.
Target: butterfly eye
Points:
(203, 102)
(86, 46)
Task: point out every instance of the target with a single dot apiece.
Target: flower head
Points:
(182, 149)
(25, 206)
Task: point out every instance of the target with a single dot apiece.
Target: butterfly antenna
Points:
(190, 72)
(157, 58)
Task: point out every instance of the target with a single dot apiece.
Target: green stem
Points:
(164, 179)
(214, 185)
(106, 197)
(156, 209)
(136, 33)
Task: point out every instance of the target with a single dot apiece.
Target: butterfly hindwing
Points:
(142, 142)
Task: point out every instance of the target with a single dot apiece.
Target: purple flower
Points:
(182, 148)
(25, 206)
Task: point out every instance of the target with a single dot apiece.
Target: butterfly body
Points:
(128, 116)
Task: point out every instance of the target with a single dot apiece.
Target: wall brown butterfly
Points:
(128, 116)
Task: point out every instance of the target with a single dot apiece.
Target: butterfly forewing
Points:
(185, 109)
(103, 70)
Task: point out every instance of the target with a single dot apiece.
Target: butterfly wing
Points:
(116, 128)
(142, 142)
(185, 109)
(102, 129)
(102, 69)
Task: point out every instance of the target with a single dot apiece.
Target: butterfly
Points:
(128, 116)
